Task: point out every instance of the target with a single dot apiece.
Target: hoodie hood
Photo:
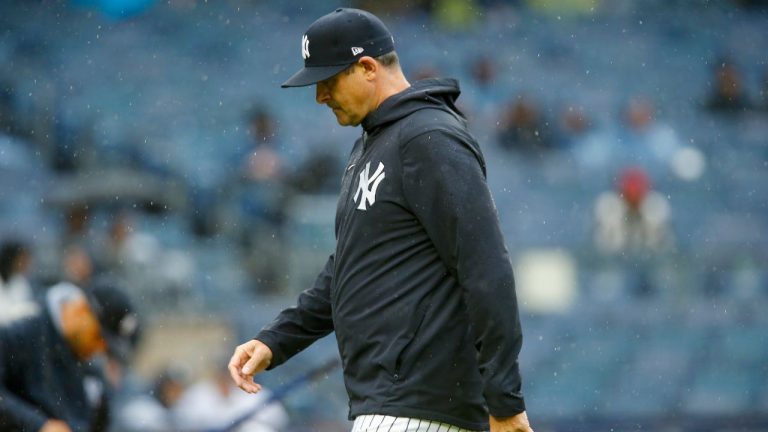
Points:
(440, 93)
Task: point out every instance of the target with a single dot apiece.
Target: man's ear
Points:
(370, 66)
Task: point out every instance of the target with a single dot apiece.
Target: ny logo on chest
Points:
(367, 186)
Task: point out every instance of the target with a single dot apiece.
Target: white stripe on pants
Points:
(382, 423)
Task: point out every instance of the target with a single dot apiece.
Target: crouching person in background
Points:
(57, 367)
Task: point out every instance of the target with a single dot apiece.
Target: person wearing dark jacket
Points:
(52, 367)
(420, 289)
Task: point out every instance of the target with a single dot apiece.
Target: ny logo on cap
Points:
(305, 47)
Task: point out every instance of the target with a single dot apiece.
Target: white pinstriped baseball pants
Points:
(382, 423)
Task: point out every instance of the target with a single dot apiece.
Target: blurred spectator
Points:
(582, 142)
(262, 194)
(54, 375)
(728, 93)
(261, 172)
(640, 140)
(78, 230)
(263, 163)
(573, 128)
(77, 266)
(481, 98)
(154, 411)
(483, 72)
(16, 296)
(318, 174)
(647, 140)
(523, 129)
(158, 274)
(634, 219)
(117, 239)
(122, 248)
(217, 402)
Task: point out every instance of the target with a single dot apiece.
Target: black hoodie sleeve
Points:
(298, 327)
(445, 185)
(16, 413)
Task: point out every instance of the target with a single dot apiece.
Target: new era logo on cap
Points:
(338, 40)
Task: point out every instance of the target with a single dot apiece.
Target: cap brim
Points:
(312, 75)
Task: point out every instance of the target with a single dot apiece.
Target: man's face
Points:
(82, 329)
(348, 94)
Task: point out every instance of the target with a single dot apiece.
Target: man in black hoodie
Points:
(55, 375)
(420, 290)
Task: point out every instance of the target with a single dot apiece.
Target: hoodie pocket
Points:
(399, 352)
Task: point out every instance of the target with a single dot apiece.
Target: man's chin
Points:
(345, 121)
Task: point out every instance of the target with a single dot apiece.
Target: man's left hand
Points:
(516, 423)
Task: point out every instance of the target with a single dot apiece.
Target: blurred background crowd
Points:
(627, 149)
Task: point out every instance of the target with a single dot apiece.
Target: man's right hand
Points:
(249, 359)
(55, 426)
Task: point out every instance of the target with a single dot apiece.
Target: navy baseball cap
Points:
(117, 317)
(337, 40)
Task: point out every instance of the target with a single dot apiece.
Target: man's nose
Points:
(321, 94)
